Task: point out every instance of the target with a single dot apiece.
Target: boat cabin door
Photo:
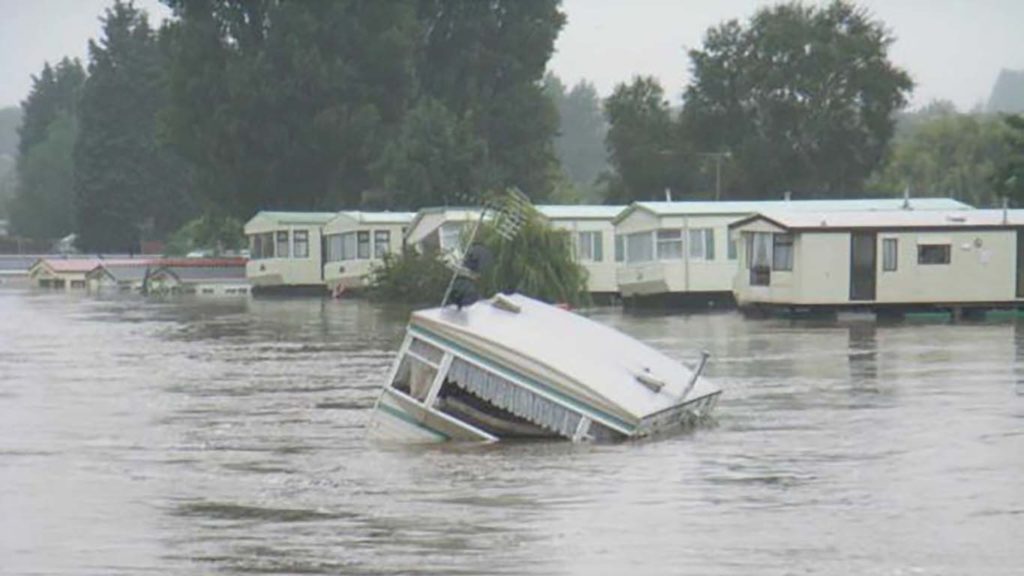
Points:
(863, 265)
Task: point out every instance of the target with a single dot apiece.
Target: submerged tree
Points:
(802, 97)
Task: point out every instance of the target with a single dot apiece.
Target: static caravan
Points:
(593, 240)
(62, 274)
(681, 252)
(884, 261)
(117, 277)
(14, 269)
(440, 229)
(206, 277)
(285, 250)
(357, 241)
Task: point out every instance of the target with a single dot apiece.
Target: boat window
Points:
(414, 377)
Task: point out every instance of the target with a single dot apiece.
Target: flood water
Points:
(188, 437)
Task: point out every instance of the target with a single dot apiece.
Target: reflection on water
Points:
(185, 437)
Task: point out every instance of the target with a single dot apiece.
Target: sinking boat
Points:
(513, 367)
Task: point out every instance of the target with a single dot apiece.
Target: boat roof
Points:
(755, 206)
(584, 359)
(896, 219)
(580, 212)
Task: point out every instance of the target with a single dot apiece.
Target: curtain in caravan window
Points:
(268, 245)
(702, 244)
(782, 252)
(282, 244)
(639, 247)
(300, 244)
(334, 248)
(670, 244)
(761, 250)
(348, 246)
(255, 247)
(381, 243)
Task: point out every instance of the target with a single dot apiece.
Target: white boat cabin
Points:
(355, 242)
(898, 260)
(593, 240)
(513, 367)
(285, 249)
(684, 248)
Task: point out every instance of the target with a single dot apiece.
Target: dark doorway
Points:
(863, 265)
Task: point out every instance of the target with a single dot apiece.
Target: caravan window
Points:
(782, 252)
(449, 236)
(639, 247)
(363, 245)
(759, 258)
(255, 246)
(268, 245)
(889, 254)
(300, 244)
(282, 244)
(590, 248)
(670, 244)
(620, 248)
(333, 245)
(418, 369)
(381, 243)
(702, 244)
(933, 254)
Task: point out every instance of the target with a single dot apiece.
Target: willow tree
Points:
(537, 261)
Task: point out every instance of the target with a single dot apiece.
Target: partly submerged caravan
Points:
(513, 367)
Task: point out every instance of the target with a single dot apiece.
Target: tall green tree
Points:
(1009, 177)
(10, 119)
(485, 61)
(288, 105)
(128, 187)
(54, 92)
(300, 105)
(436, 159)
(42, 205)
(579, 143)
(802, 96)
(43, 208)
(945, 153)
(644, 147)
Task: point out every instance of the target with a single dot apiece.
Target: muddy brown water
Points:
(190, 437)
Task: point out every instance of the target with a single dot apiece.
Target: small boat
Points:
(511, 367)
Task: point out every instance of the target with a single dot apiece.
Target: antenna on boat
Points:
(511, 210)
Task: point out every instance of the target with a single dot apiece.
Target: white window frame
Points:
(667, 239)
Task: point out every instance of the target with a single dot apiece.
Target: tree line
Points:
(234, 106)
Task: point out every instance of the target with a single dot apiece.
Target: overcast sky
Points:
(952, 48)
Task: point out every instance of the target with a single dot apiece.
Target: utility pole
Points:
(718, 156)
